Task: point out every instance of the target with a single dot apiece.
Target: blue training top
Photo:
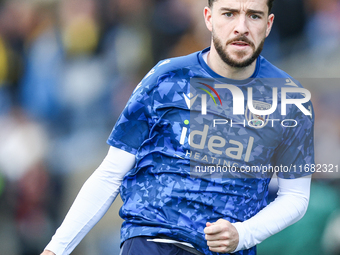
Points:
(169, 192)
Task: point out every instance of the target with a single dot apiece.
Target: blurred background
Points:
(67, 68)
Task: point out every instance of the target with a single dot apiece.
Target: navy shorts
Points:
(140, 246)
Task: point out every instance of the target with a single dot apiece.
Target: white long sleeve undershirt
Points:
(92, 201)
(289, 207)
(102, 187)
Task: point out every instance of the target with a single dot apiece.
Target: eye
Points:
(254, 16)
(229, 14)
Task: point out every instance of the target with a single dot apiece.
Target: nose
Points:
(241, 26)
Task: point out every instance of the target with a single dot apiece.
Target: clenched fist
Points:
(221, 236)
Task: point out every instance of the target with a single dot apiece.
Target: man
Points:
(166, 209)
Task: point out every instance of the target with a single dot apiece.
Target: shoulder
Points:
(172, 68)
(173, 64)
(290, 88)
(269, 71)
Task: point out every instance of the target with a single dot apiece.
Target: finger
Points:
(219, 243)
(220, 249)
(213, 229)
(219, 236)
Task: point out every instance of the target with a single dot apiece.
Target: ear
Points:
(270, 24)
(208, 18)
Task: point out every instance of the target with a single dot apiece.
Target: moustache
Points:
(241, 38)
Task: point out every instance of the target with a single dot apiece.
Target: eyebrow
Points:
(249, 11)
(255, 12)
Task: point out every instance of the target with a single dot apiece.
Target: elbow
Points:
(301, 207)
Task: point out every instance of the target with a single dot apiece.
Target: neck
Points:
(221, 68)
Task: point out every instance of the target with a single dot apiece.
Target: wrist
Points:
(241, 235)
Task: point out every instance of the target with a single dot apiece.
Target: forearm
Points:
(289, 207)
(92, 202)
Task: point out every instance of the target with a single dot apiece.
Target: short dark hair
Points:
(269, 3)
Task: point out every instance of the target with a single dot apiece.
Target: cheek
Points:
(267, 32)
(223, 32)
(260, 35)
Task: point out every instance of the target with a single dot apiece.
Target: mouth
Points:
(241, 44)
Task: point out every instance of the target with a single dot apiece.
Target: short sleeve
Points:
(295, 154)
(132, 127)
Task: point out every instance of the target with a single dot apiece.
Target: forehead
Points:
(260, 5)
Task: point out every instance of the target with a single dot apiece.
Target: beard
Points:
(226, 58)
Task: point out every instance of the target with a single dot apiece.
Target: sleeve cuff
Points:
(241, 235)
(55, 248)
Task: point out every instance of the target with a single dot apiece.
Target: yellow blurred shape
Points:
(81, 36)
(3, 62)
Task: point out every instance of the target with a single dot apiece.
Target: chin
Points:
(241, 60)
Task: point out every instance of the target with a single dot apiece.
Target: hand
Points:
(222, 236)
(46, 252)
